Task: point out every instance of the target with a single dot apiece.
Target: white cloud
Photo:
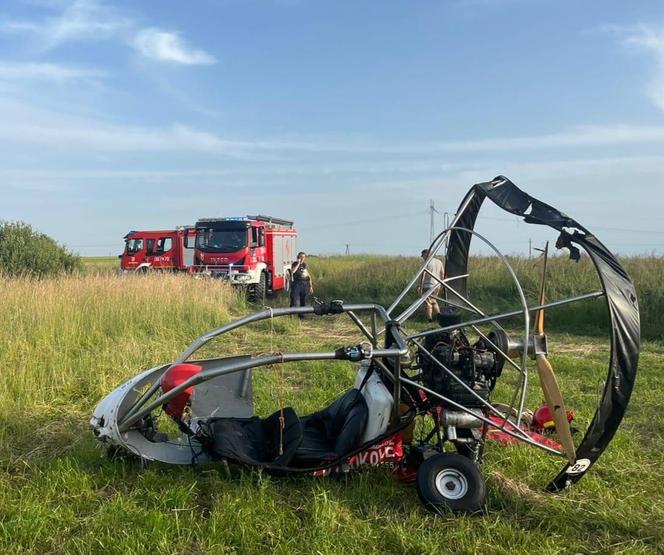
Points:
(650, 39)
(27, 124)
(30, 71)
(98, 136)
(167, 46)
(80, 20)
(417, 172)
(577, 136)
(92, 20)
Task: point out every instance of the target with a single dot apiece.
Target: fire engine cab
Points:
(253, 252)
(158, 250)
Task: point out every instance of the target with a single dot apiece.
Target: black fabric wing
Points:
(619, 293)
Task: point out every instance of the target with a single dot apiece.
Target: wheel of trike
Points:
(450, 482)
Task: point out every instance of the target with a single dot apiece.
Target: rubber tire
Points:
(287, 283)
(435, 500)
(465, 451)
(260, 290)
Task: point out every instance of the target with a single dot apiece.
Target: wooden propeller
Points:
(552, 394)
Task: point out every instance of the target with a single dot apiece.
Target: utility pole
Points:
(347, 249)
(446, 224)
(432, 224)
(432, 210)
(530, 247)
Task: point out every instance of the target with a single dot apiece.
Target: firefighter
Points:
(302, 284)
(434, 267)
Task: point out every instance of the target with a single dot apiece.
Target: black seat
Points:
(254, 440)
(334, 431)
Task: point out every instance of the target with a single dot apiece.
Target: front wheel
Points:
(257, 292)
(450, 482)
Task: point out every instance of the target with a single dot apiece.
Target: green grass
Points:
(67, 342)
(381, 279)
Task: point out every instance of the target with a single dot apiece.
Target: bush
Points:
(24, 251)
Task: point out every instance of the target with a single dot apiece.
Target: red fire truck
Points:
(254, 252)
(158, 250)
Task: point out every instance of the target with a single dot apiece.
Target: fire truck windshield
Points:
(221, 240)
(134, 246)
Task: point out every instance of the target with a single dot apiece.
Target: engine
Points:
(475, 366)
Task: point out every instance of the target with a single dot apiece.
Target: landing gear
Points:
(450, 482)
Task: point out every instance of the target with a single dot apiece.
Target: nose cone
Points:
(176, 375)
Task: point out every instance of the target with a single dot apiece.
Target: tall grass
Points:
(56, 330)
(381, 278)
(67, 342)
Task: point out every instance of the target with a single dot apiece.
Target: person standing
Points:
(434, 269)
(301, 286)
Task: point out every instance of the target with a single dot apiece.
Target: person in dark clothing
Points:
(301, 285)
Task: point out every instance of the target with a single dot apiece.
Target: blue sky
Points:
(344, 116)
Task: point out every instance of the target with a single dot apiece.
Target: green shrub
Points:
(25, 251)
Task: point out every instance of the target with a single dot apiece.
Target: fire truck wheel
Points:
(258, 291)
(450, 482)
(287, 282)
(261, 288)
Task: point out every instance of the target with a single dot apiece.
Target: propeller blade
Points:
(554, 401)
(539, 318)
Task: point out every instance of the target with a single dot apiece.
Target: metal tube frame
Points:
(141, 408)
(433, 249)
(429, 292)
(438, 241)
(528, 440)
(396, 350)
(505, 315)
(521, 389)
(463, 384)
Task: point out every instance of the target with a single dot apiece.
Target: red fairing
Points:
(175, 376)
(387, 451)
(503, 438)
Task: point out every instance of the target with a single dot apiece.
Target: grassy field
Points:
(68, 341)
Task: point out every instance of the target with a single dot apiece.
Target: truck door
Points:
(254, 238)
(188, 250)
(163, 253)
(133, 254)
(149, 249)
